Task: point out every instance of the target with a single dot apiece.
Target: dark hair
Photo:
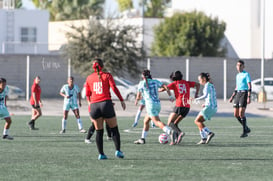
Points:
(98, 66)
(146, 75)
(3, 80)
(176, 76)
(241, 62)
(205, 75)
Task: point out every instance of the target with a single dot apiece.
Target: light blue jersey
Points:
(150, 95)
(71, 102)
(3, 97)
(209, 94)
(242, 79)
(3, 109)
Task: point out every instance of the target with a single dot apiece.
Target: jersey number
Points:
(97, 87)
(182, 88)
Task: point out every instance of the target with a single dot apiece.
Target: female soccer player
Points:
(182, 94)
(148, 88)
(72, 95)
(4, 113)
(98, 89)
(36, 102)
(209, 108)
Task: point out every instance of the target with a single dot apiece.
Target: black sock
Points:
(90, 132)
(116, 137)
(175, 128)
(108, 129)
(99, 141)
(240, 120)
(179, 130)
(244, 123)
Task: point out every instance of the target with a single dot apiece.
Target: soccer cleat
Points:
(134, 125)
(62, 131)
(244, 135)
(102, 157)
(210, 136)
(109, 138)
(173, 136)
(140, 141)
(82, 131)
(119, 154)
(179, 138)
(7, 137)
(248, 130)
(87, 141)
(203, 141)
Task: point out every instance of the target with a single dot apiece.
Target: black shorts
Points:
(103, 109)
(240, 99)
(35, 107)
(183, 111)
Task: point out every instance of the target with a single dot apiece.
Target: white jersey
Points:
(3, 97)
(73, 93)
(209, 94)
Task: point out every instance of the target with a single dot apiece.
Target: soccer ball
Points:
(163, 138)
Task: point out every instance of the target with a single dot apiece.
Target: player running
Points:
(4, 113)
(98, 89)
(148, 88)
(71, 94)
(209, 108)
(181, 90)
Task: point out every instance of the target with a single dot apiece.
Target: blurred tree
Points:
(18, 4)
(115, 44)
(189, 34)
(71, 9)
(154, 8)
(125, 4)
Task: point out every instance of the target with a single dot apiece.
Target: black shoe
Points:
(30, 125)
(248, 130)
(244, 135)
(210, 136)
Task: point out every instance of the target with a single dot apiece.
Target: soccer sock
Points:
(144, 134)
(244, 123)
(116, 137)
(90, 132)
(179, 130)
(240, 121)
(64, 124)
(206, 130)
(172, 125)
(203, 135)
(137, 116)
(99, 141)
(6, 132)
(79, 121)
(108, 129)
(167, 130)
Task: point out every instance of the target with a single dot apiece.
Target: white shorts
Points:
(4, 113)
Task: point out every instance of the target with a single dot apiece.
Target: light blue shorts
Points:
(4, 113)
(142, 102)
(68, 106)
(153, 110)
(208, 112)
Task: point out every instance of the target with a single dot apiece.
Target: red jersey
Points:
(181, 90)
(99, 89)
(37, 90)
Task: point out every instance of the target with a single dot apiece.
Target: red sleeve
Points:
(87, 88)
(114, 87)
(171, 86)
(192, 84)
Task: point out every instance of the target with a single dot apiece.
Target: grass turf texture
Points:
(47, 155)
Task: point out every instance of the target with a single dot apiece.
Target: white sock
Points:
(167, 129)
(6, 132)
(144, 134)
(137, 116)
(203, 135)
(64, 124)
(206, 130)
(79, 121)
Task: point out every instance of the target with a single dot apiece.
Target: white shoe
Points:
(82, 131)
(62, 131)
(140, 141)
(87, 141)
(203, 141)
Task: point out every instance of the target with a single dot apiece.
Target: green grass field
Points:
(47, 155)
